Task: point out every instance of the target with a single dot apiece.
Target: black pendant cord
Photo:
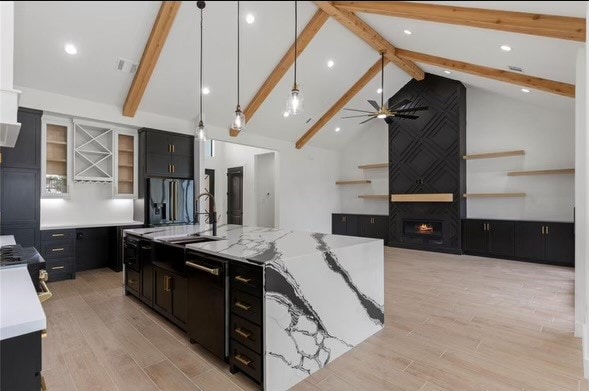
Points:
(382, 79)
(238, 54)
(200, 86)
(295, 46)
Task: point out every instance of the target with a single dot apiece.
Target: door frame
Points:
(211, 173)
(234, 170)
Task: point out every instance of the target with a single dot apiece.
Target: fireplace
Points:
(421, 231)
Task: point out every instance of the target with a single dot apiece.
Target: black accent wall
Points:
(425, 156)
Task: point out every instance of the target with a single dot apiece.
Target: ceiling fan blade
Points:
(405, 116)
(361, 111)
(369, 119)
(401, 103)
(410, 110)
(362, 115)
(374, 104)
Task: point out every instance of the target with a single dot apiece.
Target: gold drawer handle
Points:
(244, 360)
(243, 279)
(57, 235)
(57, 249)
(57, 267)
(131, 281)
(243, 306)
(243, 333)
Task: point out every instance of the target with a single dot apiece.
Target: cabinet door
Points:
(158, 164)
(27, 151)
(182, 166)
(501, 238)
(163, 290)
(352, 225)
(147, 282)
(338, 224)
(366, 227)
(381, 227)
(182, 145)
(20, 197)
(179, 297)
(94, 247)
(560, 243)
(158, 142)
(529, 240)
(475, 236)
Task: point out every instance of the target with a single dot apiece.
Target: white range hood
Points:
(9, 126)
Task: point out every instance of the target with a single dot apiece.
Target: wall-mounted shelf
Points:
(359, 182)
(373, 166)
(437, 197)
(494, 195)
(492, 155)
(93, 152)
(56, 142)
(374, 196)
(563, 171)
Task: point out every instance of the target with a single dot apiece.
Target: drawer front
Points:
(247, 279)
(59, 266)
(132, 280)
(247, 306)
(246, 361)
(57, 250)
(246, 333)
(57, 235)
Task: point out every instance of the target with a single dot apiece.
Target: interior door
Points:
(210, 188)
(235, 195)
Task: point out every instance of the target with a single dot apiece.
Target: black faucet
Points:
(212, 215)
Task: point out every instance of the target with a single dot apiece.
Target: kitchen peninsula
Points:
(320, 295)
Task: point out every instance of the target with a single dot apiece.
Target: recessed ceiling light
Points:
(70, 49)
(506, 48)
(447, 72)
(330, 64)
(249, 18)
(379, 91)
(408, 32)
(206, 90)
(525, 90)
(285, 114)
(337, 129)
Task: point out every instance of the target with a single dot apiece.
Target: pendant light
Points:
(294, 103)
(201, 132)
(238, 122)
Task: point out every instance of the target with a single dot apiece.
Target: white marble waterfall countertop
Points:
(20, 309)
(45, 227)
(256, 244)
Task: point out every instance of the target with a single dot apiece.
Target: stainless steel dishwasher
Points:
(208, 302)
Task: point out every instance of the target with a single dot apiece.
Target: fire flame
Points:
(425, 228)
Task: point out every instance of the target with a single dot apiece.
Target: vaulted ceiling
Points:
(106, 31)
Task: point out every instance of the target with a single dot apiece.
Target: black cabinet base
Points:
(23, 370)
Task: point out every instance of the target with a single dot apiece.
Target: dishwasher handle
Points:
(213, 271)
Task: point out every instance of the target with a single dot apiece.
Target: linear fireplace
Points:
(422, 228)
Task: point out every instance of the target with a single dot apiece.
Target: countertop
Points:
(255, 244)
(45, 227)
(20, 309)
(7, 240)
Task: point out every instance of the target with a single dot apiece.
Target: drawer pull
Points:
(57, 235)
(57, 267)
(131, 281)
(243, 333)
(245, 280)
(57, 249)
(243, 306)
(244, 360)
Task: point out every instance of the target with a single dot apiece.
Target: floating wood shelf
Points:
(494, 195)
(437, 197)
(56, 142)
(126, 180)
(492, 155)
(374, 196)
(125, 150)
(563, 171)
(57, 160)
(372, 166)
(125, 165)
(362, 182)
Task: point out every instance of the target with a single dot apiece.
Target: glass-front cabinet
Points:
(125, 183)
(56, 173)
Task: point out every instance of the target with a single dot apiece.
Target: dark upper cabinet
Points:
(166, 154)
(158, 164)
(20, 196)
(182, 166)
(560, 243)
(500, 238)
(95, 247)
(158, 142)
(529, 240)
(475, 236)
(373, 227)
(27, 151)
(182, 145)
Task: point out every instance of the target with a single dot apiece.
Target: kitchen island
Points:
(321, 294)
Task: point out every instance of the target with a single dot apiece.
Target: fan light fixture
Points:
(238, 122)
(201, 132)
(294, 103)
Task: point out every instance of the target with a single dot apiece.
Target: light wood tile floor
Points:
(452, 323)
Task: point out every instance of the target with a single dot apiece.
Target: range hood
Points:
(9, 126)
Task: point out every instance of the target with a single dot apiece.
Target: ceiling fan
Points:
(383, 112)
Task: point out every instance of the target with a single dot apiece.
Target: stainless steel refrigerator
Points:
(169, 201)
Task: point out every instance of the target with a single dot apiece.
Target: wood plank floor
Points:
(452, 323)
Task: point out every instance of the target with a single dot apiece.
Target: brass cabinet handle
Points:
(57, 267)
(167, 281)
(44, 333)
(243, 306)
(213, 271)
(57, 249)
(173, 148)
(488, 227)
(243, 333)
(243, 359)
(169, 147)
(131, 281)
(173, 168)
(245, 280)
(542, 230)
(546, 230)
(57, 235)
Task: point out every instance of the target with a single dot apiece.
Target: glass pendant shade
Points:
(238, 122)
(201, 132)
(294, 103)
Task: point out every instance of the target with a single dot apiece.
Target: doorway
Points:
(209, 187)
(264, 176)
(235, 195)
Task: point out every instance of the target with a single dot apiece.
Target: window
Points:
(210, 148)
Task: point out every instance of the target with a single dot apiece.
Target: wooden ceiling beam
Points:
(370, 36)
(159, 33)
(537, 83)
(304, 38)
(357, 87)
(562, 27)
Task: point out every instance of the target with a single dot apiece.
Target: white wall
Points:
(498, 123)
(265, 189)
(580, 193)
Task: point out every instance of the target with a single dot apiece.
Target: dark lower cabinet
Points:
(58, 250)
(95, 247)
(20, 364)
(367, 226)
(542, 242)
(170, 294)
(344, 224)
